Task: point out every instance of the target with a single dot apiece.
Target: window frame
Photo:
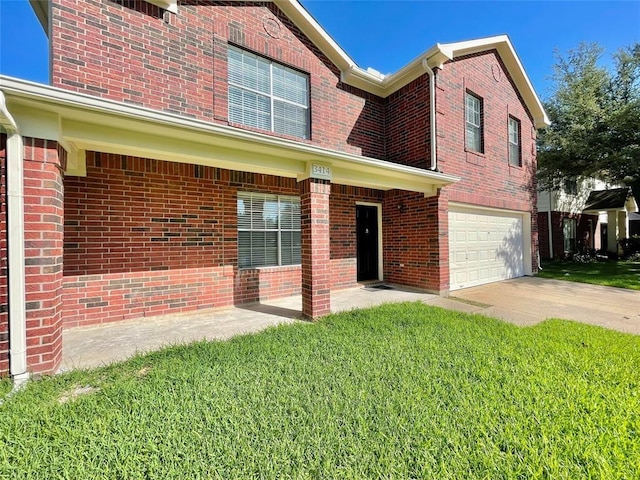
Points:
(273, 98)
(477, 128)
(296, 227)
(518, 144)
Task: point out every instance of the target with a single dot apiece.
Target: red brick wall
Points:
(94, 299)
(133, 214)
(4, 317)
(487, 179)
(342, 204)
(145, 237)
(256, 284)
(44, 162)
(416, 240)
(407, 128)
(126, 51)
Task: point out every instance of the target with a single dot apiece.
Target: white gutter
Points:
(15, 248)
(432, 114)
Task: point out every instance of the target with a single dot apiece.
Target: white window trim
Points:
(477, 127)
(517, 144)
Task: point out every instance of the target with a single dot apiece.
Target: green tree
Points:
(595, 115)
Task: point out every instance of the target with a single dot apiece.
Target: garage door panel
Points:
(484, 247)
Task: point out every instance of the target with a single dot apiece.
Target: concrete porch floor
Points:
(87, 347)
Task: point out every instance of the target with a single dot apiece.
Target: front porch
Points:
(130, 213)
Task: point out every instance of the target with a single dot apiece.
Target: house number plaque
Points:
(320, 171)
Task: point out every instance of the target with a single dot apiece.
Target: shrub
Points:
(630, 246)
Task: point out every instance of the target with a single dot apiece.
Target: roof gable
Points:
(436, 56)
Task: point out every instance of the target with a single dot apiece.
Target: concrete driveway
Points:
(530, 300)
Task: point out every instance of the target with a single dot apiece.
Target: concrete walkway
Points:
(523, 301)
(86, 347)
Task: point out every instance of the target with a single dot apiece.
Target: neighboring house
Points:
(634, 225)
(201, 154)
(583, 216)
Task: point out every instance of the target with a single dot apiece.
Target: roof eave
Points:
(83, 122)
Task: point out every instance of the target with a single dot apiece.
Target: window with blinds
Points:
(266, 95)
(268, 230)
(515, 156)
(473, 115)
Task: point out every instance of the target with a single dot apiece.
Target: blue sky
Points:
(386, 35)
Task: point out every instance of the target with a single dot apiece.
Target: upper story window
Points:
(473, 115)
(515, 152)
(571, 186)
(268, 230)
(266, 95)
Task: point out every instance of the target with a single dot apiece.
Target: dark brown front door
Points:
(367, 242)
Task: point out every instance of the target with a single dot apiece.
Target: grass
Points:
(5, 386)
(608, 273)
(398, 391)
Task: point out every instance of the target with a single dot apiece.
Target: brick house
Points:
(198, 154)
(582, 216)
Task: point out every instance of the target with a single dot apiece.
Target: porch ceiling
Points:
(81, 122)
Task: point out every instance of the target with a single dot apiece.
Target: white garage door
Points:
(484, 247)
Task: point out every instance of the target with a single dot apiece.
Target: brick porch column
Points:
(44, 163)
(316, 259)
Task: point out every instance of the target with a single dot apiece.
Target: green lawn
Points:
(608, 273)
(398, 391)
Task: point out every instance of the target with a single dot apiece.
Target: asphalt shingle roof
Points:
(613, 199)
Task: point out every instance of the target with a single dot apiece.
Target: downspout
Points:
(15, 248)
(432, 113)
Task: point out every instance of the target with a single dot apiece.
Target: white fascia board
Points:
(88, 122)
(437, 56)
(312, 29)
(41, 9)
(510, 58)
(385, 85)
